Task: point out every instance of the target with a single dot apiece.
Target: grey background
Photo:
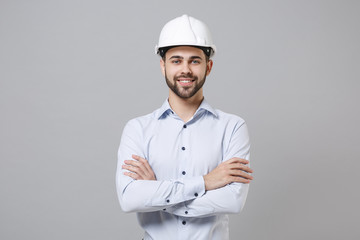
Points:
(74, 72)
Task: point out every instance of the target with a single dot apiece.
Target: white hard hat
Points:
(185, 31)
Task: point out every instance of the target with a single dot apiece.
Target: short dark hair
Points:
(207, 51)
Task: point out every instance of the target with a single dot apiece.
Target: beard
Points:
(184, 91)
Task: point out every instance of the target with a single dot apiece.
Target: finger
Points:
(237, 160)
(138, 164)
(138, 158)
(142, 164)
(134, 169)
(240, 180)
(147, 166)
(242, 174)
(132, 175)
(132, 163)
(144, 161)
(240, 160)
(141, 161)
(241, 167)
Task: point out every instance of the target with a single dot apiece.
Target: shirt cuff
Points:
(194, 187)
(178, 191)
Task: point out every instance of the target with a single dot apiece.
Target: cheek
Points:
(203, 72)
(168, 75)
(170, 72)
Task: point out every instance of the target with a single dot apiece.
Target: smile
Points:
(186, 82)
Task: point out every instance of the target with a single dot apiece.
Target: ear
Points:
(209, 67)
(162, 66)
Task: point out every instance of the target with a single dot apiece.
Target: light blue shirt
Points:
(176, 205)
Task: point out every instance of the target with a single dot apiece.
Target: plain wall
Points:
(72, 73)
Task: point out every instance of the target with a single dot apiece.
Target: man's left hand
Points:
(139, 169)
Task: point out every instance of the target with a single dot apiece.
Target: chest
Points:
(175, 150)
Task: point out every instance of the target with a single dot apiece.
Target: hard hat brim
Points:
(202, 47)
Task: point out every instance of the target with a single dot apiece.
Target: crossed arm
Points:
(223, 190)
(223, 193)
(230, 171)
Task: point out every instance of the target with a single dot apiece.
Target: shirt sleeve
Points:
(228, 199)
(145, 195)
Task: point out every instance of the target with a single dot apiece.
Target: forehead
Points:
(185, 52)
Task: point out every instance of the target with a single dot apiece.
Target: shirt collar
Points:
(165, 109)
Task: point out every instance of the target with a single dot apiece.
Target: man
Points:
(184, 167)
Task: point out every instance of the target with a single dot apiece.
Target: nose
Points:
(186, 68)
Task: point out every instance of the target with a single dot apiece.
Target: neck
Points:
(185, 108)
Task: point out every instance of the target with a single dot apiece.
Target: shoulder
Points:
(142, 122)
(236, 131)
(229, 118)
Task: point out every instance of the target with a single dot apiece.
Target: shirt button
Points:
(183, 172)
(196, 194)
(164, 209)
(186, 212)
(167, 200)
(183, 148)
(183, 222)
(185, 126)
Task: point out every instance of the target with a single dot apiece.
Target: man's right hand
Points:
(232, 170)
(139, 169)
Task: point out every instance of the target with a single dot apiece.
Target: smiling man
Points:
(184, 167)
(185, 83)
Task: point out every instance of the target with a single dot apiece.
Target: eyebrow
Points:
(180, 57)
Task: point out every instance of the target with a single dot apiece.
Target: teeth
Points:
(185, 81)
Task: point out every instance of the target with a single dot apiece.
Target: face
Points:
(185, 69)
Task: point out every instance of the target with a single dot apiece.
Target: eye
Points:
(195, 61)
(175, 61)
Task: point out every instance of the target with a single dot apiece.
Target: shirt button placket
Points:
(184, 148)
(184, 170)
(185, 157)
